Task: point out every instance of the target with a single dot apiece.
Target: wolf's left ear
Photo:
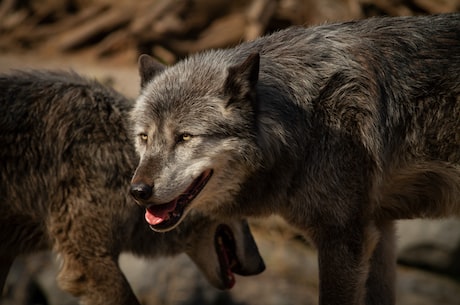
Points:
(148, 68)
(242, 79)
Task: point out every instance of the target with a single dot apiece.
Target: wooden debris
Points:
(171, 29)
(102, 24)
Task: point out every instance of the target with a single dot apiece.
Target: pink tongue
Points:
(155, 219)
(157, 214)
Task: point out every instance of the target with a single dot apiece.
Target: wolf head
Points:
(220, 248)
(195, 129)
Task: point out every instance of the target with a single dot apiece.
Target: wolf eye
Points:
(143, 137)
(184, 137)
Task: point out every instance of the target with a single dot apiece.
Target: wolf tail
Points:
(424, 190)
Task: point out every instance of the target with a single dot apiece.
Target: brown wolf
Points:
(66, 164)
(339, 128)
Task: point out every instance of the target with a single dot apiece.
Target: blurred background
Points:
(102, 39)
(171, 29)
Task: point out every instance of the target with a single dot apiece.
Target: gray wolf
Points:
(67, 161)
(339, 128)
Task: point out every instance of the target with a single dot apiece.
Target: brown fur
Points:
(66, 164)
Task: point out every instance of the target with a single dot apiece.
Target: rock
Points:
(430, 244)
(417, 287)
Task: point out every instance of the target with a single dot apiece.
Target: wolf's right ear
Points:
(242, 79)
(148, 68)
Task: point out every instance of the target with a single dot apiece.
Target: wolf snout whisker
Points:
(141, 191)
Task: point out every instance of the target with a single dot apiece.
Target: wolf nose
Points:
(141, 191)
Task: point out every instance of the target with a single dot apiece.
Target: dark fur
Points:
(66, 163)
(340, 128)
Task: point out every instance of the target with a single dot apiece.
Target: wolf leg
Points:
(380, 285)
(89, 248)
(5, 264)
(95, 281)
(343, 257)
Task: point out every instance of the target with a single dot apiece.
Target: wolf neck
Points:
(281, 144)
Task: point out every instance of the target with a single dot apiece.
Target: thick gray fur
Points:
(66, 164)
(340, 128)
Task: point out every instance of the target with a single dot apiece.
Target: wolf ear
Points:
(148, 68)
(242, 79)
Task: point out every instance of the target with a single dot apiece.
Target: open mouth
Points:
(163, 217)
(224, 243)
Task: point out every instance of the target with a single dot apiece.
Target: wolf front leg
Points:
(343, 257)
(89, 247)
(380, 285)
(96, 281)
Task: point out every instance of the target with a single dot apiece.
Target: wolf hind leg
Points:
(380, 285)
(5, 264)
